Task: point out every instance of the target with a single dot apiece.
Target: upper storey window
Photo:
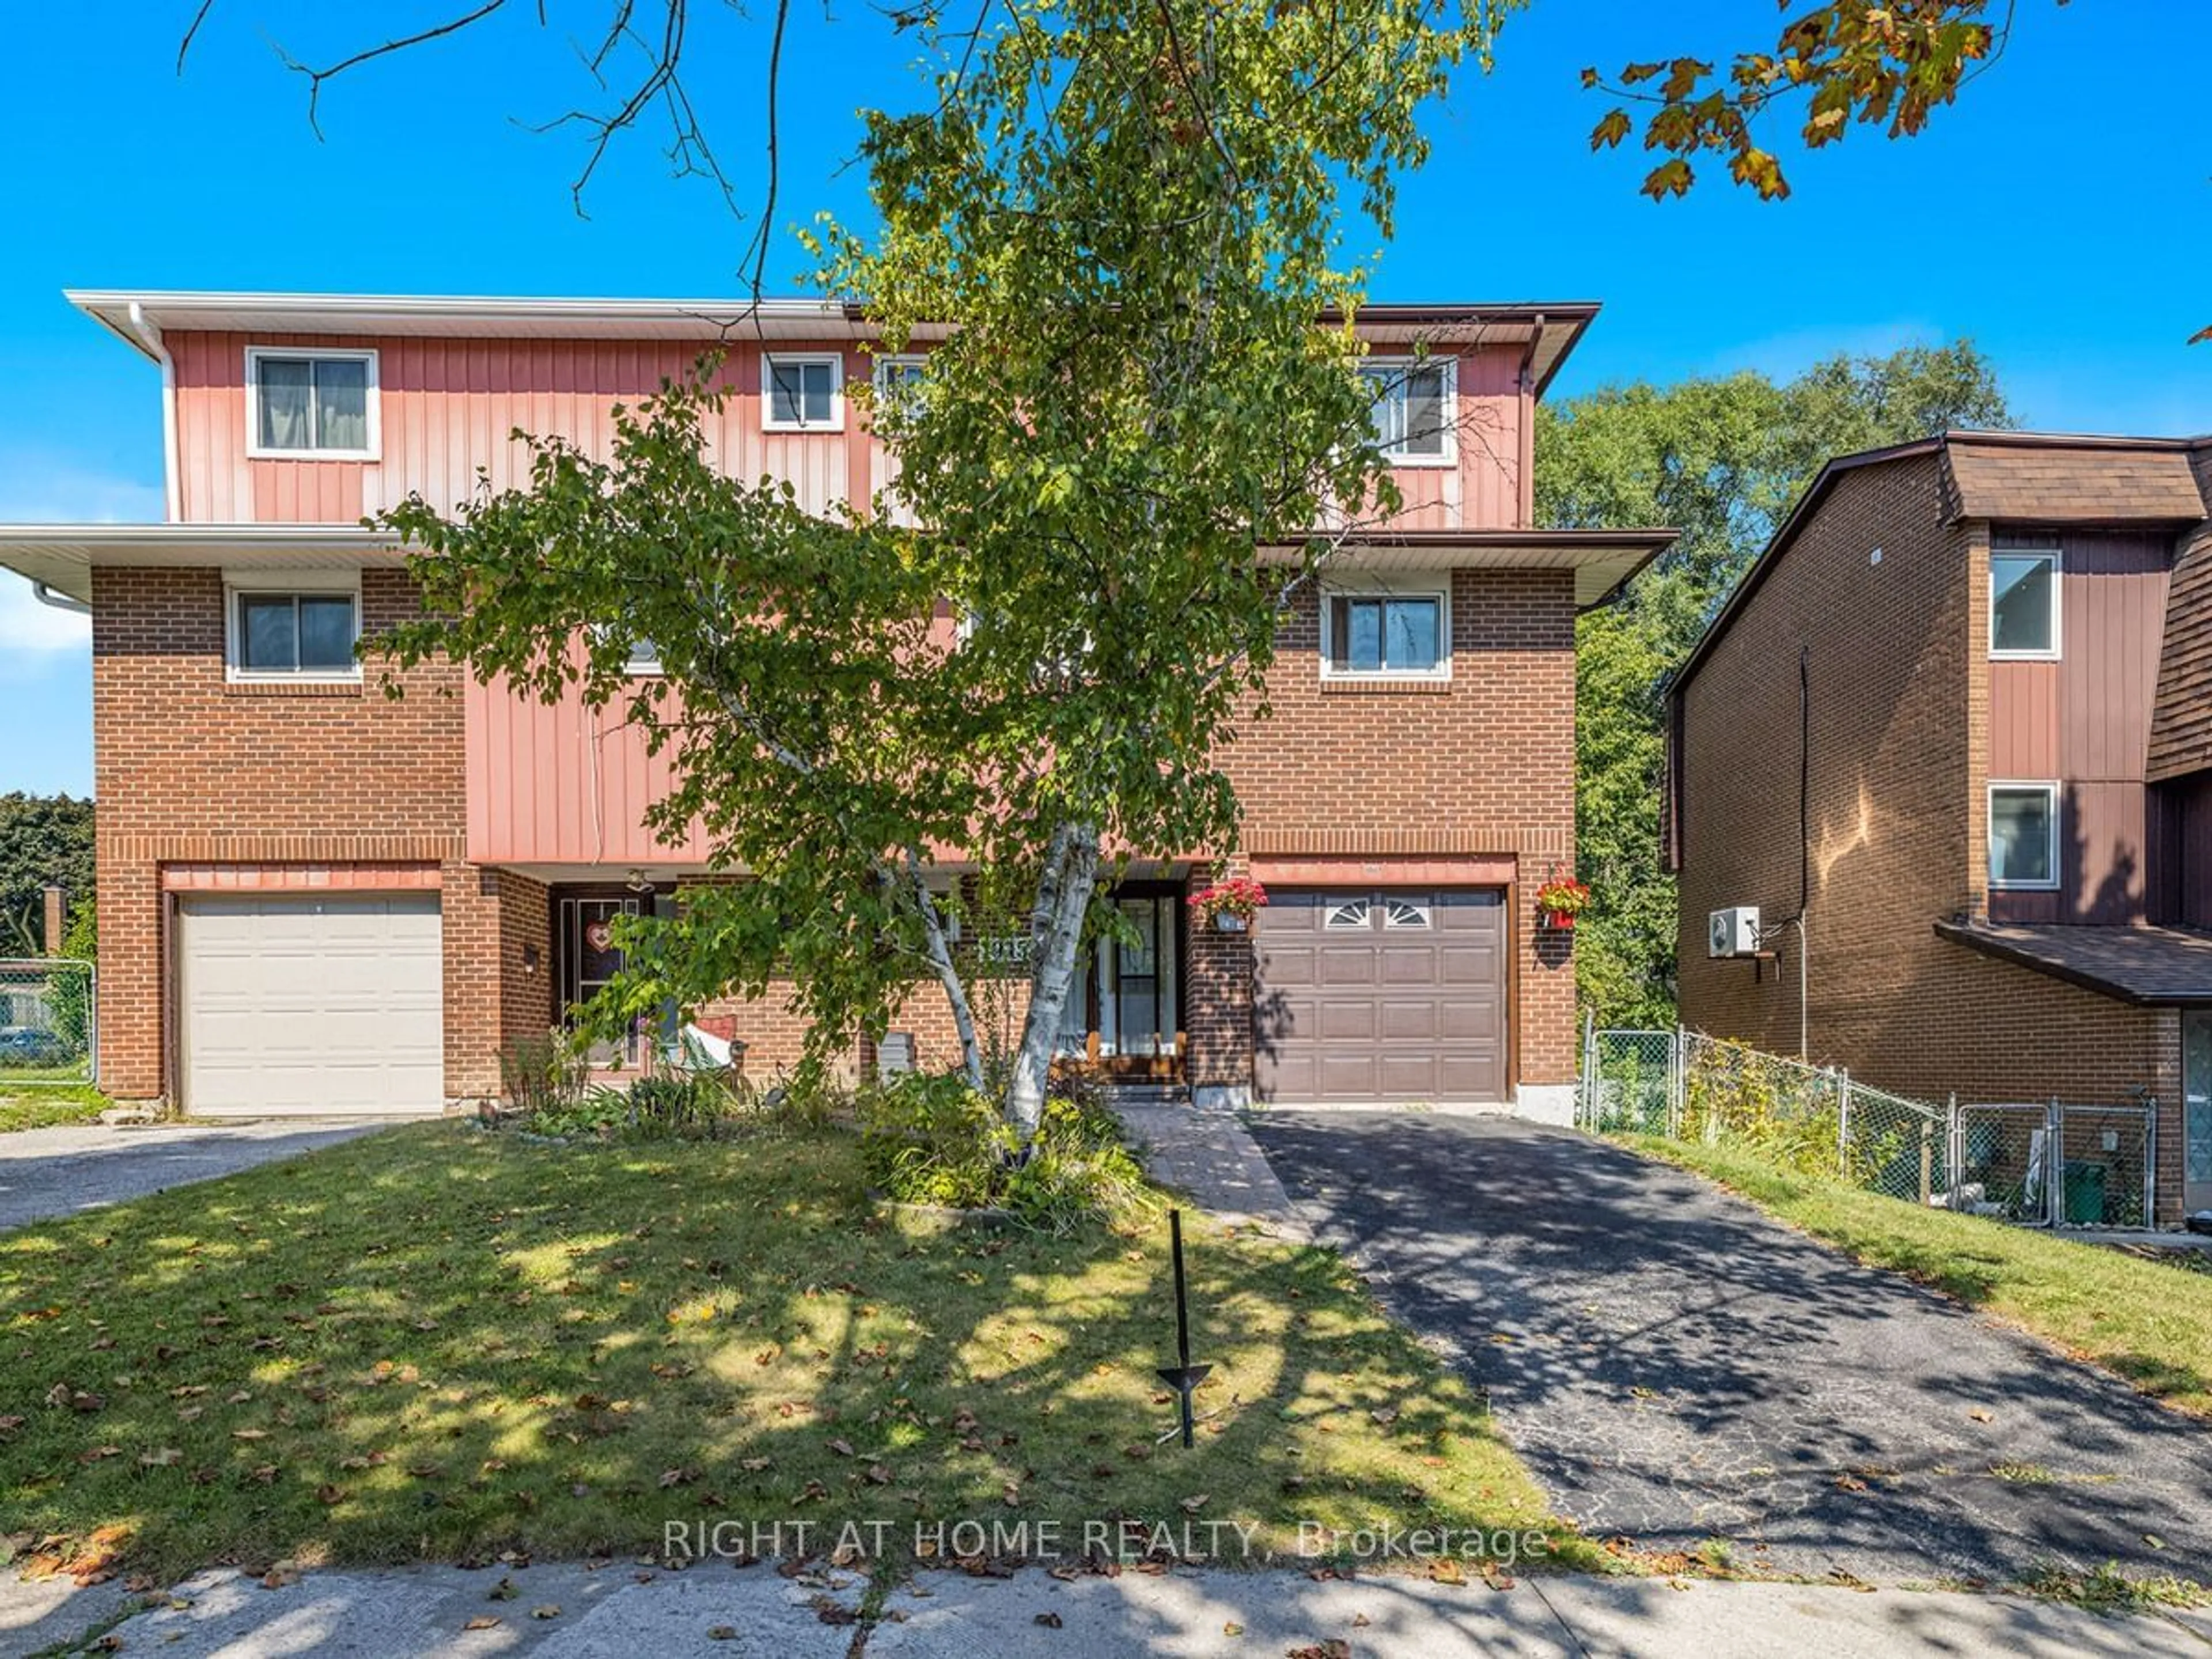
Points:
(298, 626)
(804, 392)
(2024, 603)
(1415, 409)
(1386, 636)
(311, 405)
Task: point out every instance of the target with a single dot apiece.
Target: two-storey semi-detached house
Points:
(315, 898)
(1978, 829)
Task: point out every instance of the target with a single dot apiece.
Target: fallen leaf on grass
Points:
(546, 1610)
(1193, 1504)
(1049, 1620)
(481, 1621)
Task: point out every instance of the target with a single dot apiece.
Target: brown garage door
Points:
(1381, 995)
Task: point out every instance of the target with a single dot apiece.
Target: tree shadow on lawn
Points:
(439, 1344)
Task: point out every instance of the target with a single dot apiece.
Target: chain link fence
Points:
(49, 1022)
(2055, 1164)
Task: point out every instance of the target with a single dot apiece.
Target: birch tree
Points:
(1116, 228)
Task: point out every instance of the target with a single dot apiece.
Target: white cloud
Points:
(37, 487)
(27, 625)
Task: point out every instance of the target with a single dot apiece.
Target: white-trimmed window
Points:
(311, 405)
(2024, 836)
(898, 381)
(2024, 603)
(1416, 409)
(1404, 913)
(1395, 632)
(802, 392)
(295, 626)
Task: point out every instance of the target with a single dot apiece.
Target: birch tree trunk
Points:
(1063, 898)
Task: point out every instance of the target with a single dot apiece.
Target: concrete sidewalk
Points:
(45, 1173)
(622, 1610)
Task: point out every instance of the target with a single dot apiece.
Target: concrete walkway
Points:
(45, 1173)
(1210, 1155)
(713, 1611)
(1676, 1367)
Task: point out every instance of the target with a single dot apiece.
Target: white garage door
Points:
(297, 1004)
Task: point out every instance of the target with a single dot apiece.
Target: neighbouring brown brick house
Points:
(315, 898)
(2000, 884)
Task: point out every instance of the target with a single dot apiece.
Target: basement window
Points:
(2024, 836)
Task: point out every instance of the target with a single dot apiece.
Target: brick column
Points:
(1217, 970)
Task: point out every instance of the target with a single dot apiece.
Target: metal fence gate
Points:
(49, 1022)
(2057, 1164)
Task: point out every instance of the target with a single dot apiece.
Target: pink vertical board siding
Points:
(446, 407)
(561, 783)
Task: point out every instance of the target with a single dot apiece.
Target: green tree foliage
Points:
(1722, 458)
(1118, 226)
(44, 840)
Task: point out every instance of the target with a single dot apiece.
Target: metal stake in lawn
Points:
(1183, 1376)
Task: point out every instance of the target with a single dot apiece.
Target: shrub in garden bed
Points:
(932, 1139)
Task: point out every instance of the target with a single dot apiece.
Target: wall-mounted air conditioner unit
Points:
(1732, 932)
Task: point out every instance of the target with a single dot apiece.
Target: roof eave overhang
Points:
(63, 556)
(1603, 561)
(2003, 950)
(1549, 329)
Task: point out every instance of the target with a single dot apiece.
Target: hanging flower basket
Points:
(1229, 906)
(1558, 902)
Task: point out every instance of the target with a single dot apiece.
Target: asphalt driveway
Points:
(1677, 1367)
(44, 1173)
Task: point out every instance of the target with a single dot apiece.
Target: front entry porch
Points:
(1124, 1018)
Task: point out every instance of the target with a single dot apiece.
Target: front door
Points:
(2197, 1111)
(590, 959)
(1124, 1010)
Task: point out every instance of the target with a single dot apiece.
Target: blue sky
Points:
(2061, 216)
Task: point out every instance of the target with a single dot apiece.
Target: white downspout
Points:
(45, 595)
(149, 338)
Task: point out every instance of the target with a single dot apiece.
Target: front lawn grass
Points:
(2150, 1320)
(43, 1105)
(436, 1343)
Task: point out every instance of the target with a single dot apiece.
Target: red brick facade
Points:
(199, 774)
(210, 785)
(1483, 764)
(1895, 649)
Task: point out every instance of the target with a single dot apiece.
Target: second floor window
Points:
(1385, 634)
(309, 405)
(2024, 834)
(898, 384)
(1415, 402)
(804, 393)
(306, 634)
(2024, 603)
